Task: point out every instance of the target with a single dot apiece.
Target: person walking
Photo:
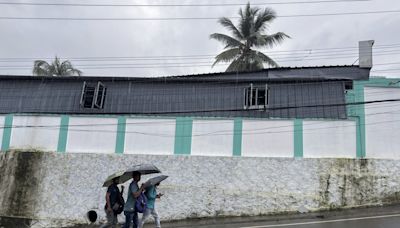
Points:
(134, 191)
(113, 202)
(151, 194)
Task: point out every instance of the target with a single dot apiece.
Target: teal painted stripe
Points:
(5, 143)
(120, 142)
(298, 138)
(183, 135)
(359, 145)
(360, 120)
(63, 134)
(237, 137)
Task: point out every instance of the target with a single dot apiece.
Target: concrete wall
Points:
(92, 135)
(183, 135)
(382, 121)
(262, 138)
(43, 137)
(212, 137)
(150, 136)
(58, 189)
(329, 139)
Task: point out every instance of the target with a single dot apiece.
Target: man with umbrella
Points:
(114, 200)
(134, 191)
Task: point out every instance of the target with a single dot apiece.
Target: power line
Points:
(201, 56)
(166, 62)
(203, 121)
(187, 18)
(221, 132)
(200, 63)
(235, 109)
(177, 5)
(169, 65)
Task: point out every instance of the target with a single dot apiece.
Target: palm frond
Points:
(65, 68)
(235, 66)
(56, 68)
(40, 68)
(227, 55)
(263, 19)
(246, 23)
(227, 40)
(266, 59)
(271, 40)
(249, 33)
(227, 23)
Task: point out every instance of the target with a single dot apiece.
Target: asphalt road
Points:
(385, 221)
(375, 217)
(379, 217)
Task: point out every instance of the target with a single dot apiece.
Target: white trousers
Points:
(146, 215)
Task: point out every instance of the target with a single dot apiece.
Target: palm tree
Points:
(248, 34)
(56, 68)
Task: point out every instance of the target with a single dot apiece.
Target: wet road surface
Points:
(379, 217)
(387, 221)
(375, 217)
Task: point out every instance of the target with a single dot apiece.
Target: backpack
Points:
(141, 203)
(121, 202)
(118, 206)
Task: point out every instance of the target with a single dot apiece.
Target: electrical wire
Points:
(177, 5)
(188, 18)
(215, 133)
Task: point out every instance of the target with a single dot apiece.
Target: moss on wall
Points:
(19, 177)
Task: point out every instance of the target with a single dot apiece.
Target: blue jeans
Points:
(131, 217)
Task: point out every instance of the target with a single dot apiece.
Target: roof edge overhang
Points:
(271, 74)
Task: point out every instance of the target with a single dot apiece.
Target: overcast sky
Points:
(42, 39)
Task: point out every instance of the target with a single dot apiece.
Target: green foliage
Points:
(248, 34)
(56, 68)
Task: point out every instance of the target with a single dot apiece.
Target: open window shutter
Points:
(266, 95)
(82, 101)
(98, 100)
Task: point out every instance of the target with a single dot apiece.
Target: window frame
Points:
(94, 100)
(249, 100)
(96, 96)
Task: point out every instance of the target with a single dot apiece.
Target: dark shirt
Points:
(114, 194)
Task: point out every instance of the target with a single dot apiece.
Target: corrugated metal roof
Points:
(350, 72)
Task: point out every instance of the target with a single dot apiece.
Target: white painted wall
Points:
(40, 138)
(262, 138)
(92, 135)
(382, 123)
(212, 137)
(150, 136)
(2, 118)
(329, 139)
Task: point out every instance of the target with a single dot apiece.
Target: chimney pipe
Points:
(365, 53)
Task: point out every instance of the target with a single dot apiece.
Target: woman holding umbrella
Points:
(151, 194)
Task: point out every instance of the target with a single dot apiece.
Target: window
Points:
(348, 85)
(256, 97)
(100, 95)
(93, 96)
